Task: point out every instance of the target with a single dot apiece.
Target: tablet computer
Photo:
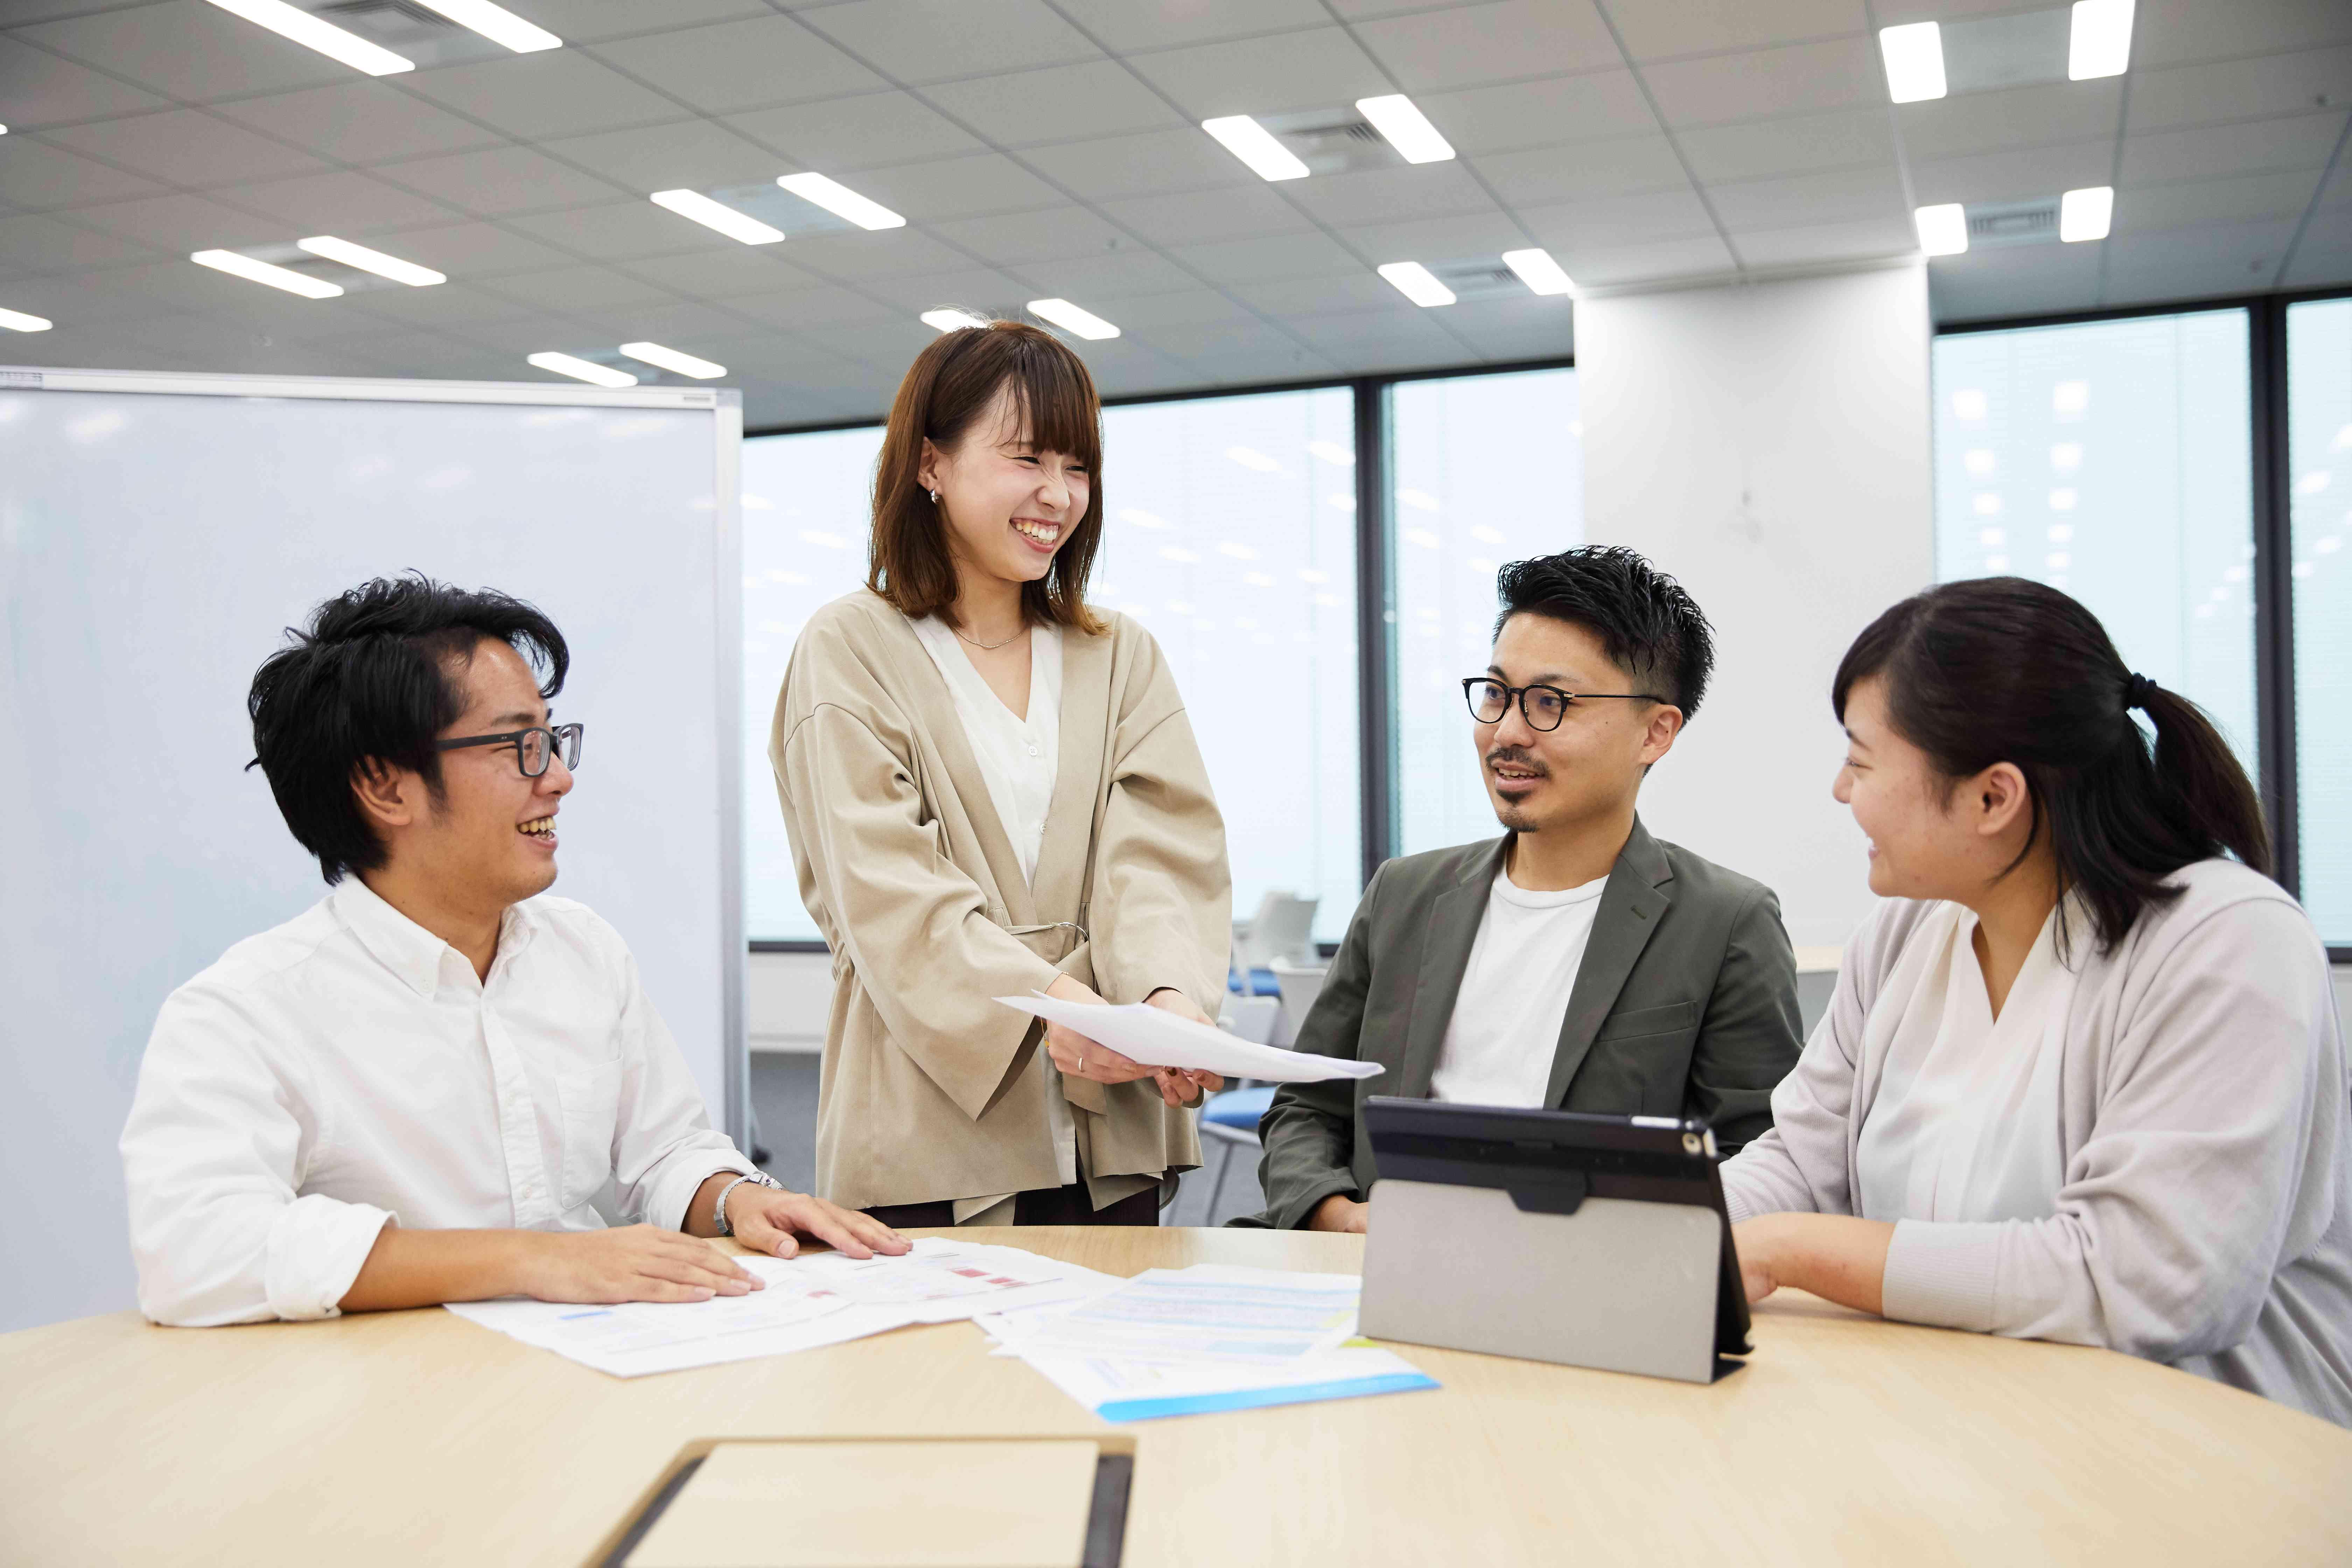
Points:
(1486, 1194)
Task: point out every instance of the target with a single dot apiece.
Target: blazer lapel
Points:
(1080, 777)
(1630, 905)
(1452, 928)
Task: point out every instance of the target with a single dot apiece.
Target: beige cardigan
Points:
(931, 1090)
(2204, 1217)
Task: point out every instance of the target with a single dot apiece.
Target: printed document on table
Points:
(1206, 1313)
(1157, 1037)
(819, 1299)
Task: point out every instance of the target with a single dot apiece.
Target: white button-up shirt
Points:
(349, 1070)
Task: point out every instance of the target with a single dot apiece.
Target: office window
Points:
(2319, 487)
(1221, 536)
(1488, 468)
(1229, 533)
(2112, 459)
(805, 520)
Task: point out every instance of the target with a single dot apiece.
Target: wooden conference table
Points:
(412, 1437)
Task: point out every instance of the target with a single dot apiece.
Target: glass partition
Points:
(2319, 466)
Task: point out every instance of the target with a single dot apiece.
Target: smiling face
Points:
(1587, 771)
(1930, 838)
(487, 838)
(1007, 506)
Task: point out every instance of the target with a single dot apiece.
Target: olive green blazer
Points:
(931, 1090)
(1686, 1004)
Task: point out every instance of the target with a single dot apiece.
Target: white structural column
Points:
(1768, 445)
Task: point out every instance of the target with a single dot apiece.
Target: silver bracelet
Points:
(718, 1211)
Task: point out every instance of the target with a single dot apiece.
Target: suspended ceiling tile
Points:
(1271, 257)
(340, 201)
(1660, 29)
(1124, 25)
(2245, 199)
(1801, 79)
(933, 40)
(1603, 262)
(555, 92)
(576, 289)
(976, 288)
(184, 147)
(1837, 196)
(1363, 290)
(1994, 284)
(698, 154)
(501, 180)
(854, 256)
(2251, 147)
(2020, 174)
(1504, 40)
(1798, 143)
(1050, 234)
(1432, 241)
(2011, 117)
(1618, 222)
(1199, 217)
(1111, 167)
(956, 187)
(618, 231)
(1392, 195)
(476, 251)
(856, 133)
(2240, 90)
(1059, 103)
(1321, 69)
(451, 306)
(1108, 275)
(1593, 106)
(180, 224)
(591, 21)
(41, 89)
(725, 272)
(2176, 32)
(361, 122)
(189, 52)
(1629, 164)
(1184, 307)
(35, 175)
(822, 305)
(1825, 244)
(734, 65)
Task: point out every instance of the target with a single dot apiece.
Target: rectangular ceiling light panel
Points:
(947, 320)
(1914, 54)
(2100, 42)
(374, 262)
(496, 23)
(253, 271)
(841, 201)
(1071, 318)
(1538, 271)
(583, 370)
(694, 204)
(1417, 283)
(1407, 128)
(1943, 229)
(2086, 214)
(1254, 144)
(312, 32)
(18, 322)
(674, 359)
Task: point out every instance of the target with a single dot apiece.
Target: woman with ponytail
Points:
(2082, 1078)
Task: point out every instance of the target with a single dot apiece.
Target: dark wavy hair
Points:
(374, 678)
(1647, 624)
(2002, 669)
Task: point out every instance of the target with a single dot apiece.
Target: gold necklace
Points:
(987, 647)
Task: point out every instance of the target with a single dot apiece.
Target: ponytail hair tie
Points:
(2138, 690)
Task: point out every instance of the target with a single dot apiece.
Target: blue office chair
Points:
(1230, 1121)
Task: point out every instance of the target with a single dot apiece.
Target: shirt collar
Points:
(407, 949)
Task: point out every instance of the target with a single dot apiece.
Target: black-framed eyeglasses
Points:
(1543, 706)
(533, 747)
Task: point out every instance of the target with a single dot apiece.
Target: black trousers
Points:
(1042, 1205)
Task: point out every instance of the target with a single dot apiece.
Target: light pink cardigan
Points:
(2205, 1215)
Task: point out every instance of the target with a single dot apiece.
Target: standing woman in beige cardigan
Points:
(991, 789)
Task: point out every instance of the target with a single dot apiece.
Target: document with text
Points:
(1157, 1037)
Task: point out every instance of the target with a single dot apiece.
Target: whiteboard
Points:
(157, 534)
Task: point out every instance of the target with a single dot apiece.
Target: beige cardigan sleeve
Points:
(1161, 900)
(909, 918)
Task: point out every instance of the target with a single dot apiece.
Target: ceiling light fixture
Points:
(314, 34)
(1943, 229)
(2086, 214)
(496, 23)
(18, 322)
(253, 271)
(583, 370)
(671, 359)
(1538, 271)
(1062, 314)
(1406, 127)
(374, 262)
(1416, 283)
(841, 201)
(701, 209)
(1255, 145)
(1914, 54)
(947, 320)
(2099, 42)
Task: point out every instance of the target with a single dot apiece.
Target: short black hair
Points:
(374, 677)
(1646, 622)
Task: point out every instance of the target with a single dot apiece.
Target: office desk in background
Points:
(414, 1437)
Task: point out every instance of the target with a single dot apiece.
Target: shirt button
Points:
(1033, 751)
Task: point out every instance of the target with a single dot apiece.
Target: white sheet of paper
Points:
(1157, 1037)
(1209, 1312)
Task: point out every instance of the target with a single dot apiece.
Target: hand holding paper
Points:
(1157, 1037)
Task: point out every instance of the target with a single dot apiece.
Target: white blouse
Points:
(1967, 1123)
(1018, 757)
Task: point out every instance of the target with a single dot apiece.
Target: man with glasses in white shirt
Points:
(413, 1092)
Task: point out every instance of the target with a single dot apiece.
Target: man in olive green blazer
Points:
(1576, 963)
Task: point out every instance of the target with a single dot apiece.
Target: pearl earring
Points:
(935, 498)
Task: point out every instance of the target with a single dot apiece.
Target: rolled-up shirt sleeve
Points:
(663, 1147)
(212, 1157)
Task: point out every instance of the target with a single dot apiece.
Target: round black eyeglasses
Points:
(1543, 706)
(533, 747)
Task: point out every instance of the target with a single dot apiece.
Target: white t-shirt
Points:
(1505, 1031)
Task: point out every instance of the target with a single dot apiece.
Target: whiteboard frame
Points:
(726, 406)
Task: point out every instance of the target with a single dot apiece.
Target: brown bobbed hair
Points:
(946, 392)
(2006, 669)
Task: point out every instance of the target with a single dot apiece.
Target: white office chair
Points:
(1299, 985)
(1283, 927)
